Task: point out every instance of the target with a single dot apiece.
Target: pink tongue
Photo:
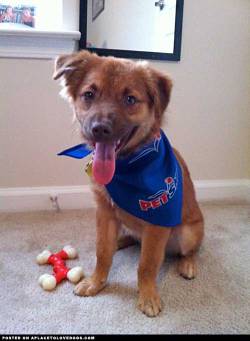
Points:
(104, 163)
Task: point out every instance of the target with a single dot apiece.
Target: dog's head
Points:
(118, 103)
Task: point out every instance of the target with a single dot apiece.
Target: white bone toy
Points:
(60, 270)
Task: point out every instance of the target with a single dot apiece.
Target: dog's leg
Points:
(187, 266)
(125, 239)
(154, 240)
(106, 244)
(189, 239)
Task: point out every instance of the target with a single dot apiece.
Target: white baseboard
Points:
(39, 198)
(237, 190)
(21, 199)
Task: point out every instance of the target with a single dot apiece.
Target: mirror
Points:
(143, 29)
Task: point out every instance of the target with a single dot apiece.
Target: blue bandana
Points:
(146, 184)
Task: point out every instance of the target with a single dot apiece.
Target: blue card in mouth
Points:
(77, 152)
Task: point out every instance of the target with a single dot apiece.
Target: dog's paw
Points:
(88, 287)
(187, 268)
(150, 304)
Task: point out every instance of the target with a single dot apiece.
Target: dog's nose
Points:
(101, 131)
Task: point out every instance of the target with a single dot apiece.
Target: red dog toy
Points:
(60, 270)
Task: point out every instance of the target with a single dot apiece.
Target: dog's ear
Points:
(159, 92)
(67, 63)
(63, 64)
(72, 69)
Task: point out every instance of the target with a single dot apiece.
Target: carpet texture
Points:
(217, 301)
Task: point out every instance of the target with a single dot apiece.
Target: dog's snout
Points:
(101, 131)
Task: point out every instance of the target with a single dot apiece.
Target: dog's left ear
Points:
(160, 92)
(67, 63)
(63, 64)
(72, 68)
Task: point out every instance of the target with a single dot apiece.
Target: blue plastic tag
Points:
(78, 152)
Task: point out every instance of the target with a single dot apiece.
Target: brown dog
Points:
(120, 100)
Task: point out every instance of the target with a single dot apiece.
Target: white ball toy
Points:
(47, 282)
(75, 274)
(43, 257)
(71, 252)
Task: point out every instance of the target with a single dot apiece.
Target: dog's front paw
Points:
(88, 287)
(187, 268)
(150, 303)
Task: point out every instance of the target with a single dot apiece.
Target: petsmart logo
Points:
(161, 197)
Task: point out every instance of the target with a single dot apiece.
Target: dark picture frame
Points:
(175, 56)
(97, 8)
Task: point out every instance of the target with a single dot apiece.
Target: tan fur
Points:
(112, 77)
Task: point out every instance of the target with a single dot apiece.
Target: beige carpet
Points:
(218, 301)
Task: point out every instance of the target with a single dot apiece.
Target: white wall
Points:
(208, 118)
(71, 15)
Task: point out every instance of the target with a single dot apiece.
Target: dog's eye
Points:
(88, 95)
(131, 100)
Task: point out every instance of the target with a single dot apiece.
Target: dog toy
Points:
(60, 270)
